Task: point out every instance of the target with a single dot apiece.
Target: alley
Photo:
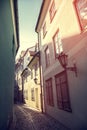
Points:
(28, 119)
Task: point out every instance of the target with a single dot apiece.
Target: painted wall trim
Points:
(14, 24)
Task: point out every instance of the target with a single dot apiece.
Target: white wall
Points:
(75, 45)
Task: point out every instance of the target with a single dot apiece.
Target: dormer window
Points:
(81, 9)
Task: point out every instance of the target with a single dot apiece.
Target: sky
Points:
(28, 11)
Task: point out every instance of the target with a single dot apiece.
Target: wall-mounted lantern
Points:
(63, 59)
(35, 80)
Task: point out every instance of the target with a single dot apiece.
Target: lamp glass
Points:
(63, 59)
(35, 80)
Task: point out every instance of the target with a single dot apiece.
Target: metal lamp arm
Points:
(74, 68)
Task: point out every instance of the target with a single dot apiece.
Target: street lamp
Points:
(63, 59)
(35, 80)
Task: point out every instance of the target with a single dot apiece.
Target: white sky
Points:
(28, 15)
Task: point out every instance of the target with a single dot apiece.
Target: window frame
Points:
(58, 44)
(61, 101)
(78, 15)
(49, 92)
(26, 94)
(36, 70)
(47, 57)
(31, 73)
(32, 94)
(52, 11)
(44, 30)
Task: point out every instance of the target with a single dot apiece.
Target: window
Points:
(26, 94)
(52, 11)
(31, 73)
(21, 66)
(44, 30)
(28, 58)
(26, 78)
(47, 57)
(62, 91)
(49, 92)
(57, 43)
(36, 70)
(32, 94)
(81, 9)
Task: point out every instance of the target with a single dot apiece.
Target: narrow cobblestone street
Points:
(28, 119)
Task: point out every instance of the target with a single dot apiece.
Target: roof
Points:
(25, 72)
(32, 53)
(31, 50)
(36, 55)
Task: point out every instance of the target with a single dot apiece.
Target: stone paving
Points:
(28, 119)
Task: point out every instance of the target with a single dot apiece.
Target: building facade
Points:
(18, 70)
(9, 44)
(34, 83)
(62, 31)
(25, 73)
(20, 66)
(31, 82)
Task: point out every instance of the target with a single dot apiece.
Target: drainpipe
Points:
(41, 96)
(22, 89)
(41, 83)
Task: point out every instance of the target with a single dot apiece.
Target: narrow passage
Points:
(28, 119)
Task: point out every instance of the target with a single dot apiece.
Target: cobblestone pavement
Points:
(28, 119)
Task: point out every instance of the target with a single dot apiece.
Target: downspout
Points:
(22, 89)
(41, 95)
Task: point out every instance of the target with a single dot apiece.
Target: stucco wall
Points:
(7, 53)
(28, 86)
(75, 45)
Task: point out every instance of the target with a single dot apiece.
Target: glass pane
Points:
(63, 78)
(60, 48)
(52, 10)
(49, 92)
(57, 81)
(59, 93)
(58, 44)
(47, 57)
(64, 91)
(82, 10)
